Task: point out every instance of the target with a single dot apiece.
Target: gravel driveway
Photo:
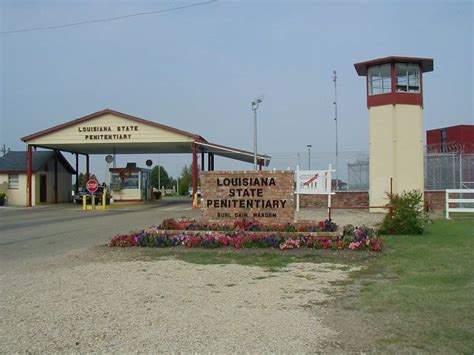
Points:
(90, 303)
(93, 301)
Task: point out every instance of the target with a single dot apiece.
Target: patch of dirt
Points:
(108, 300)
(341, 217)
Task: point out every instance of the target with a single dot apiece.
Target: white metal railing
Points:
(458, 201)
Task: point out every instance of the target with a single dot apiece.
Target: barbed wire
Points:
(450, 147)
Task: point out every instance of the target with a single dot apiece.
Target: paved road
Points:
(34, 234)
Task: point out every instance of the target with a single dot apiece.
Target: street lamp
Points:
(309, 156)
(255, 105)
(335, 120)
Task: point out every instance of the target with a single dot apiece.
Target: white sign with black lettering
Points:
(313, 182)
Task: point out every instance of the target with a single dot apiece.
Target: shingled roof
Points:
(15, 161)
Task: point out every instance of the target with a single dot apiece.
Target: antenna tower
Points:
(335, 120)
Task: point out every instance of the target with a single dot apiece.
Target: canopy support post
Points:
(195, 171)
(87, 168)
(55, 176)
(29, 172)
(77, 172)
(202, 160)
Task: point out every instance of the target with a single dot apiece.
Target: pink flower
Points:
(354, 245)
(290, 244)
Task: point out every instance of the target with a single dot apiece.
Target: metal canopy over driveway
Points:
(113, 132)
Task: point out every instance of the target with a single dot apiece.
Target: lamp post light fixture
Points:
(255, 105)
(309, 156)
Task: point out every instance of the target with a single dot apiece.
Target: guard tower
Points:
(395, 103)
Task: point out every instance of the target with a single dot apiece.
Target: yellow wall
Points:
(126, 194)
(16, 197)
(396, 150)
(136, 132)
(19, 197)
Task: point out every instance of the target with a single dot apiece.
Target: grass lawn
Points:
(271, 259)
(422, 290)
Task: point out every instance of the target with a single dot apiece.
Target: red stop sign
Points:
(92, 186)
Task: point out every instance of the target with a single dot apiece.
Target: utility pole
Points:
(5, 150)
(335, 120)
(309, 156)
(255, 105)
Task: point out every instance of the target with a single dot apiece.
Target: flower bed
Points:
(247, 225)
(250, 235)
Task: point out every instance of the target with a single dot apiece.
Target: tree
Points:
(82, 180)
(185, 180)
(164, 180)
(408, 215)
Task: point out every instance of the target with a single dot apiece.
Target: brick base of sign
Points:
(265, 196)
(434, 200)
(339, 199)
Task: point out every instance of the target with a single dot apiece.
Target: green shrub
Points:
(408, 217)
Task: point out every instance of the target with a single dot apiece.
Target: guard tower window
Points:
(380, 81)
(408, 77)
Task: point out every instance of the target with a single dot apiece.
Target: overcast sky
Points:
(199, 68)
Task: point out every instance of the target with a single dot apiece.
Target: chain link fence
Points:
(442, 170)
(352, 168)
(449, 171)
(358, 175)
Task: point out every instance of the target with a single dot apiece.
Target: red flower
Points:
(376, 244)
(339, 245)
(326, 243)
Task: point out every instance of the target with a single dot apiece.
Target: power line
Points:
(108, 19)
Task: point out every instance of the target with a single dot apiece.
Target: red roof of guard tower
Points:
(426, 64)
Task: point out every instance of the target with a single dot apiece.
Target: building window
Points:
(13, 181)
(444, 139)
(408, 77)
(380, 81)
(130, 182)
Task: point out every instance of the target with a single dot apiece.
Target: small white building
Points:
(130, 184)
(51, 179)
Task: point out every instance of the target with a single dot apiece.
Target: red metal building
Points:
(454, 139)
